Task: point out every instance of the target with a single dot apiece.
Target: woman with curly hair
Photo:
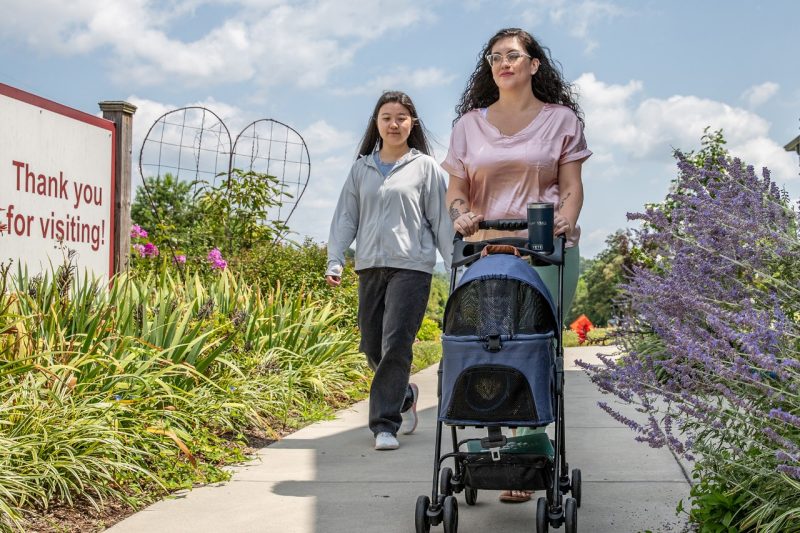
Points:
(518, 138)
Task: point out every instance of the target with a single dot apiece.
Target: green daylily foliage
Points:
(145, 385)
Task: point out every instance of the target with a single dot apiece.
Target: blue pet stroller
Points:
(502, 366)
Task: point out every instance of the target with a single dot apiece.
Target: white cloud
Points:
(473, 5)
(322, 138)
(578, 17)
(267, 42)
(147, 112)
(764, 152)
(617, 122)
(680, 121)
(402, 79)
(315, 211)
(609, 110)
(594, 241)
(760, 94)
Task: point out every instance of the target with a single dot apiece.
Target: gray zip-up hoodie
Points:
(397, 222)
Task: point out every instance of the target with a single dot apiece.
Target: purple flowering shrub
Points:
(710, 336)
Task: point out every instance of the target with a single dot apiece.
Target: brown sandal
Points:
(515, 496)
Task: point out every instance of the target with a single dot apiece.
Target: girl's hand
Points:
(561, 225)
(333, 281)
(467, 223)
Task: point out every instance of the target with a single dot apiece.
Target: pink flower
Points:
(137, 231)
(150, 250)
(139, 249)
(216, 260)
(179, 259)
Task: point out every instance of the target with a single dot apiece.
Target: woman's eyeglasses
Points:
(512, 57)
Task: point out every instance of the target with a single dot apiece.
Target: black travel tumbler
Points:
(540, 227)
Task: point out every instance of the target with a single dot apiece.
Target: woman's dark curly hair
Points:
(548, 83)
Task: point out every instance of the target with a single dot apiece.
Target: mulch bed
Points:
(84, 518)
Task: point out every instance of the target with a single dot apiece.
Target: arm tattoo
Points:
(454, 205)
(563, 200)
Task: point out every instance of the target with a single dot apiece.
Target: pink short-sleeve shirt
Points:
(506, 172)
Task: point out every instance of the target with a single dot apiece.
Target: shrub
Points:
(570, 338)
(440, 287)
(429, 330)
(300, 267)
(598, 287)
(710, 347)
(716, 507)
(595, 337)
(426, 353)
(166, 207)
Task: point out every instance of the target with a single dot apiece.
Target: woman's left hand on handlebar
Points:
(467, 223)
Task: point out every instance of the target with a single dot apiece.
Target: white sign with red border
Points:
(56, 184)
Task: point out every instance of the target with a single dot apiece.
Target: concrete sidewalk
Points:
(326, 478)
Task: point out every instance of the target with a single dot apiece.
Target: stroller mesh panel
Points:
(497, 307)
(492, 393)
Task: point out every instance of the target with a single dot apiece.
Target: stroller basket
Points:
(515, 472)
(522, 465)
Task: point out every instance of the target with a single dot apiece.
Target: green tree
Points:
(598, 287)
(236, 211)
(166, 208)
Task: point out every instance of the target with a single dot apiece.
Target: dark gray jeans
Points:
(391, 305)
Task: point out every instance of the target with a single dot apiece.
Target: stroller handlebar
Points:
(504, 224)
(466, 253)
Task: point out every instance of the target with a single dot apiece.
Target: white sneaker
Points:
(410, 415)
(386, 441)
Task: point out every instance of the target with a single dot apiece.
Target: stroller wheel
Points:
(470, 495)
(542, 518)
(421, 520)
(446, 481)
(570, 516)
(575, 489)
(450, 514)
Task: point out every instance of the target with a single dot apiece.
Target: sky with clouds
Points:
(651, 76)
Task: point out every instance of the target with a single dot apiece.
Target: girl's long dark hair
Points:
(417, 139)
(548, 83)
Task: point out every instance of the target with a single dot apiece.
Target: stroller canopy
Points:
(500, 294)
